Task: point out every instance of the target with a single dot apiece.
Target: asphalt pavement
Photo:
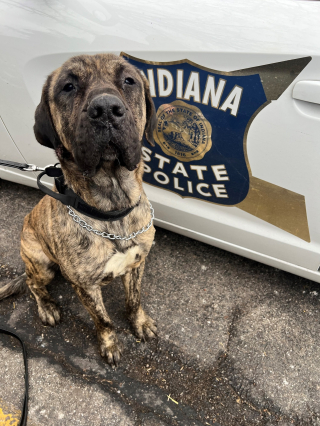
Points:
(238, 342)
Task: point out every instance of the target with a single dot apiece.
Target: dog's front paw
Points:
(110, 347)
(49, 312)
(144, 327)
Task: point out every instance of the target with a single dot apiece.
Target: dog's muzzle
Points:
(107, 131)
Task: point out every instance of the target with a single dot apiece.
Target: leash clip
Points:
(34, 168)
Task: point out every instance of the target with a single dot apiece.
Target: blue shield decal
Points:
(203, 119)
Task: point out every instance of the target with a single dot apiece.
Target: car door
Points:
(235, 85)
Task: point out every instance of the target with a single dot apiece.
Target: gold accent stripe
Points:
(278, 206)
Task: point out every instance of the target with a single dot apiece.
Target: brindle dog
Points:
(94, 111)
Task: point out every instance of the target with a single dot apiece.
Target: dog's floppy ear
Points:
(151, 119)
(43, 128)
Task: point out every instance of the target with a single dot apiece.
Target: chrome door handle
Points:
(308, 91)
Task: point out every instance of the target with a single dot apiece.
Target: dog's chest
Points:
(120, 263)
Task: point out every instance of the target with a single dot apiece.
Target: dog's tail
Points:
(16, 286)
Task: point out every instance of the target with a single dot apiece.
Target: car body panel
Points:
(282, 142)
(10, 152)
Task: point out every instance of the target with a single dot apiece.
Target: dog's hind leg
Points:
(143, 326)
(91, 298)
(40, 270)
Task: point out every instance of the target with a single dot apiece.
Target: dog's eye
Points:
(68, 87)
(129, 81)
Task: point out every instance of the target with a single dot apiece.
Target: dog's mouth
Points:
(127, 158)
(111, 154)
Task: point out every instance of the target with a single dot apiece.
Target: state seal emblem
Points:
(182, 131)
(203, 119)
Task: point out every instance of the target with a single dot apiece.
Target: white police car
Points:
(236, 86)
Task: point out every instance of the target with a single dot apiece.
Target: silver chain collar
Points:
(89, 228)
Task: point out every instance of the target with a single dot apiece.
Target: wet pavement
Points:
(238, 342)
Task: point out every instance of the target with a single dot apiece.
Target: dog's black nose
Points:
(106, 107)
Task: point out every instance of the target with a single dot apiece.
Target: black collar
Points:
(70, 198)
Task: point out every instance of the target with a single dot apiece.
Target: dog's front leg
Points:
(143, 326)
(91, 298)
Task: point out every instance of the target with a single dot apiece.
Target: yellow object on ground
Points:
(9, 419)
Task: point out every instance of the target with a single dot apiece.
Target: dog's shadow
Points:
(113, 297)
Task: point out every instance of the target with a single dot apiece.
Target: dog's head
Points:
(94, 109)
